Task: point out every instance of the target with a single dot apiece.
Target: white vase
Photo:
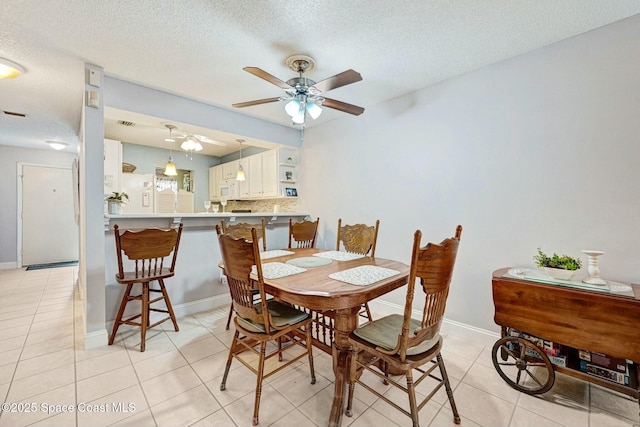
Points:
(559, 274)
(114, 208)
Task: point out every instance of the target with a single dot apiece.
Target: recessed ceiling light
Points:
(57, 145)
(9, 69)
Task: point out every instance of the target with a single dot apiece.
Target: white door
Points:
(49, 230)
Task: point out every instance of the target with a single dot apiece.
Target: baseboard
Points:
(472, 333)
(201, 305)
(96, 339)
(8, 265)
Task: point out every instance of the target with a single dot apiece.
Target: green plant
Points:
(563, 262)
(117, 197)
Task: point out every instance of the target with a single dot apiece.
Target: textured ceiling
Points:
(197, 49)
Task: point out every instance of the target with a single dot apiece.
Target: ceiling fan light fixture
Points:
(298, 118)
(292, 108)
(314, 110)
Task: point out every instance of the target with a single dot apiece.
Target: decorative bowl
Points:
(559, 273)
(128, 167)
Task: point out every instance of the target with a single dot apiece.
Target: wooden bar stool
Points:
(148, 248)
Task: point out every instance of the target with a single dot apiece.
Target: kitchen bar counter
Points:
(196, 285)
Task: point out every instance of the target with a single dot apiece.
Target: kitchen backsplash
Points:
(265, 205)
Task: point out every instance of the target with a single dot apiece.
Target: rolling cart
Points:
(582, 319)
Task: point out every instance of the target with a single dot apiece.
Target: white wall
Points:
(9, 159)
(541, 150)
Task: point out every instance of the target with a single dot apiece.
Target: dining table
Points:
(321, 288)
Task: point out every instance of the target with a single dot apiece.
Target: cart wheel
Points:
(525, 368)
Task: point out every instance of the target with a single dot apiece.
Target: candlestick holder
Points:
(592, 269)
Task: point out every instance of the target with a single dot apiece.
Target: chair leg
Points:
(167, 301)
(230, 315)
(223, 384)
(447, 386)
(353, 365)
(310, 352)
(144, 321)
(411, 391)
(279, 349)
(256, 405)
(118, 321)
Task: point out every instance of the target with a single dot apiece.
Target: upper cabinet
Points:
(267, 174)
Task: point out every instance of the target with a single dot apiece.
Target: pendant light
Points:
(170, 167)
(240, 175)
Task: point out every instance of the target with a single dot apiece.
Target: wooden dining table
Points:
(315, 290)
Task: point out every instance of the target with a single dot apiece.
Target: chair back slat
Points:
(243, 230)
(238, 256)
(431, 267)
(358, 238)
(303, 234)
(147, 248)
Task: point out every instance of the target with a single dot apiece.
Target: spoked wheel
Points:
(523, 365)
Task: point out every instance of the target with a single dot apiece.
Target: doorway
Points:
(48, 232)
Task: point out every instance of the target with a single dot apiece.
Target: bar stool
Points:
(148, 248)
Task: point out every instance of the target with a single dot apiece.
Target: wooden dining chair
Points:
(399, 343)
(303, 234)
(243, 230)
(148, 248)
(359, 239)
(257, 325)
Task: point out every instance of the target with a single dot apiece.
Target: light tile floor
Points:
(176, 381)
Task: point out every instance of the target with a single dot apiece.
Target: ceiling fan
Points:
(303, 94)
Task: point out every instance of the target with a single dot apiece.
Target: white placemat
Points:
(309, 261)
(274, 253)
(339, 255)
(276, 270)
(363, 275)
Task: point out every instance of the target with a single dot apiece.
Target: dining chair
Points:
(398, 343)
(303, 233)
(148, 248)
(257, 325)
(243, 230)
(359, 239)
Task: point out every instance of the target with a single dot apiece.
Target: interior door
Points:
(49, 230)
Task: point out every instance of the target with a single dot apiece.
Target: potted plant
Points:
(115, 200)
(557, 266)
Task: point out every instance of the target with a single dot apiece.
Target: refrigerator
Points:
(141, 190)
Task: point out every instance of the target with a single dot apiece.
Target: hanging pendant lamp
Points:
(240, 175)
(170, 167)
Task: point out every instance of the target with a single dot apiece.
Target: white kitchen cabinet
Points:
(215, 179)
(263, 175)
(255, 176)
(230, 170)
(270, 173)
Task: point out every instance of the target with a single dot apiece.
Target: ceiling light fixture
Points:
(240, 175)
(57, 145)
(191, 144)
(9, 69)
(170, 168)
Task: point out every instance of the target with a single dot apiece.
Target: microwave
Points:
(229, 189)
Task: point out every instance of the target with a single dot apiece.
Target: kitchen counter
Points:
(196, 285)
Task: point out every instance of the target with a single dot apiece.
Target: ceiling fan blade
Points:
(343, 106)
(258, 72)
(256, 102)
(339, 80)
